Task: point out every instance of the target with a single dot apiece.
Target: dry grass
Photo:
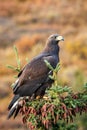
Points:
(27, 42)
(58, 12)
(78, 48)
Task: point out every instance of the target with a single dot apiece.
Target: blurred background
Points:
(27, 24)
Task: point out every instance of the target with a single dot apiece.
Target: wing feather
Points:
(33, 75)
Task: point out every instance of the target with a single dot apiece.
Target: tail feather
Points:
(11, 112)
(17, 111)
(15, 106)
(15, 98)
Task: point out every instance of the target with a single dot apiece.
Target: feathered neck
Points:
(51, 48)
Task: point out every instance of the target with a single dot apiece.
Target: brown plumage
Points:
(34, 78)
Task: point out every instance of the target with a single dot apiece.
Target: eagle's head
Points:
(55, 38)
(52, 46)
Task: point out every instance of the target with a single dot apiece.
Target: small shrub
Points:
(59, 103)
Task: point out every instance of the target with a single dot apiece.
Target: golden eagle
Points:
(34, 77)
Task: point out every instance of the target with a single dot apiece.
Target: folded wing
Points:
(34, 75)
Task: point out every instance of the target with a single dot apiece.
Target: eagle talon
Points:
(46, 98)
(38, 97)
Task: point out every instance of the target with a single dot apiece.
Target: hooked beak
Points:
(59, 38)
